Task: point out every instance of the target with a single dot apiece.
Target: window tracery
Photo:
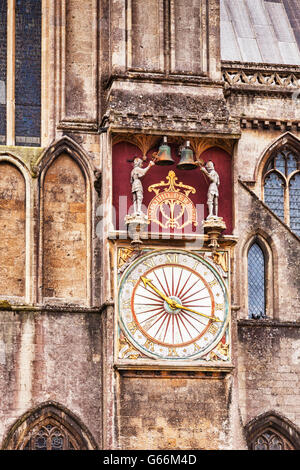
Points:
(272, 431)
(282, 187)
(270, 440)
(50, 437)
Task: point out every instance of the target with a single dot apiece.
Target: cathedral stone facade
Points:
(150, 214)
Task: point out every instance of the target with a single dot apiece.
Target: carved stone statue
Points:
(213, 190)
(136, 185)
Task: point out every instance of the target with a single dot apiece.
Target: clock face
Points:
(173, 305)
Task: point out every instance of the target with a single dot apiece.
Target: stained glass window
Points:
(3, 61)
(269, 440)
(256, 282)
(295, 203)
(282, 187)
(50, 437)
(28, 72)
(274, 193)
(20, 72)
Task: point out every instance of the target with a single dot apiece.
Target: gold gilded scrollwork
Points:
(220, 352)
(126, 350)
(123, 255)
(221, 259)
(142, 141)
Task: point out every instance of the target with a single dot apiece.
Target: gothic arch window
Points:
(271, 431)
(49, 427)
(270, 440)
(256, 281)
(281, 184)
(50, 435)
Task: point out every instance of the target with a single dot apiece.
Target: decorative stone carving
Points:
(213, 190)
(136, 185)
(137, 222)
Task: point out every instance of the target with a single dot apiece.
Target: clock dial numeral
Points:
(149, 263)
(172, 258)
(132, 326)
(149, 345)
(219, 307)
(126, 304)
(213, 283)
(213, 329)
(172, 352)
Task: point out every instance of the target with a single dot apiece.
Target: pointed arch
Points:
(65, 176)
(272, 428)
(275, 171)
(49, 426)
(268, 250)
(287, 140)
(9, 158)
(65, 145)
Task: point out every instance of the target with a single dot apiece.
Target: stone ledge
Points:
(263, 323)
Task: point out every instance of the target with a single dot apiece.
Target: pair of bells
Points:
(163, 157)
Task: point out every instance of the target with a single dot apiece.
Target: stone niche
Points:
(12, 240)
(64, 231)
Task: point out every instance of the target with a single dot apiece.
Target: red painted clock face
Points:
(172, 304)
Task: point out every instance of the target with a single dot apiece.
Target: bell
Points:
(163, 156)
(187, 161)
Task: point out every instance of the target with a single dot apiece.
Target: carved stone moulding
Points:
(213, 227)
(158, 107)
(270, 124)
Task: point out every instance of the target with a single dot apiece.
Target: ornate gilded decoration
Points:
(126, 350)
(172, 195)
(221, 259)
(142, 141)
(220, 352)
(123, 255)
(200, 145)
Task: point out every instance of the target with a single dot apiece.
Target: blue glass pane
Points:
(274, 194)
(291, 163)
(28, 72)
(3, 61)
(295, 203)
(256, 282)
(280, 163)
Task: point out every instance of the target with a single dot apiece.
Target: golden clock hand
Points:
(148, 282)
(182, 307)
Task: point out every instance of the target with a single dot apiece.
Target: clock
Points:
(173, 304)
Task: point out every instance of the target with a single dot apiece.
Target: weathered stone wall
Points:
(50, 356)
(175, 412)
(269, 367)
(146, 35)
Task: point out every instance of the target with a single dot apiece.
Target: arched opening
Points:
(256, 281)
(49, 427)
(271, 431)
(280, 170)
(66, 200)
